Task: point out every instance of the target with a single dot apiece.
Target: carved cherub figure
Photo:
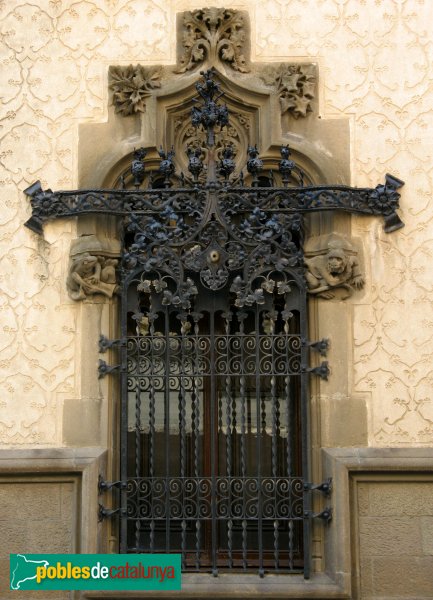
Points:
(335, 269)
(90, 275)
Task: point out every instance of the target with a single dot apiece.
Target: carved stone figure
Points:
(93, 266)
(90, 275)
(336, 268)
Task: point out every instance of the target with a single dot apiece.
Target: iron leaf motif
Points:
(131, 86)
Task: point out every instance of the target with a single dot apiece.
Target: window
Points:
(213, 424)
(214, 347)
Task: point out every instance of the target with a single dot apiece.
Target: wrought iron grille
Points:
(215, 419)
(214, 349)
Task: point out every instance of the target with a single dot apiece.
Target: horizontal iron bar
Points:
(321, 346)
(325, 515)
(208, 518)
(382, 200)
(105, 344)
(325, 487)
(321, 371)
(230, 498)
(104, 486)
(104, 369)
(107, 513)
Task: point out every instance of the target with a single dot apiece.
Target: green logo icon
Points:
(23, 569)
(160, 572)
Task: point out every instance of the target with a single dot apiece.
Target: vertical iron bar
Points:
(229, 401)
(274, 449)
(167, 428)
(182, 425)
(241, 317)
(213, 456)
(151, 424)
(124, 422)
(259, 441)
(137, 439)
(195, 415)
(305, 435)
(138, 429)
(291, 541)
(289, 434)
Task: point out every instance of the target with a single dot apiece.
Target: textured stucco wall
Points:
(375, 59)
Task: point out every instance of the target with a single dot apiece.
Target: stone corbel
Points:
(92, 267)
(332, 267)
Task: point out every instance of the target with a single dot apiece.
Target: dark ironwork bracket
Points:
(325, 487)
(285, 202)
(104, 486)
(383, 200)
(321, 346)
(106, 344)
(107, 513)
(104, 369)
(325, 515)
(321, 371)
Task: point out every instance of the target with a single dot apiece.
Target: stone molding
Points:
(345, 466)
(333, 267)
(295, 85)
(78, 465)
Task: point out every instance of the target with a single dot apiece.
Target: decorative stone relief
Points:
(295, 85)
(93, 268)
(332, 268)
(214, 34)
(215, 37)
(235, 135)
(131, 86)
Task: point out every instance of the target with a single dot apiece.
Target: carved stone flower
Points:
(132, 86)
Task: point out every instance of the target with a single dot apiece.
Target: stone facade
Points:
(394, 525)
(374, 66)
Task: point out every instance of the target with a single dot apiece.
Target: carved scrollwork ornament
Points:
(214, 34)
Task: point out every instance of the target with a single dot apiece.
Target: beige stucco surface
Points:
(375, 68)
